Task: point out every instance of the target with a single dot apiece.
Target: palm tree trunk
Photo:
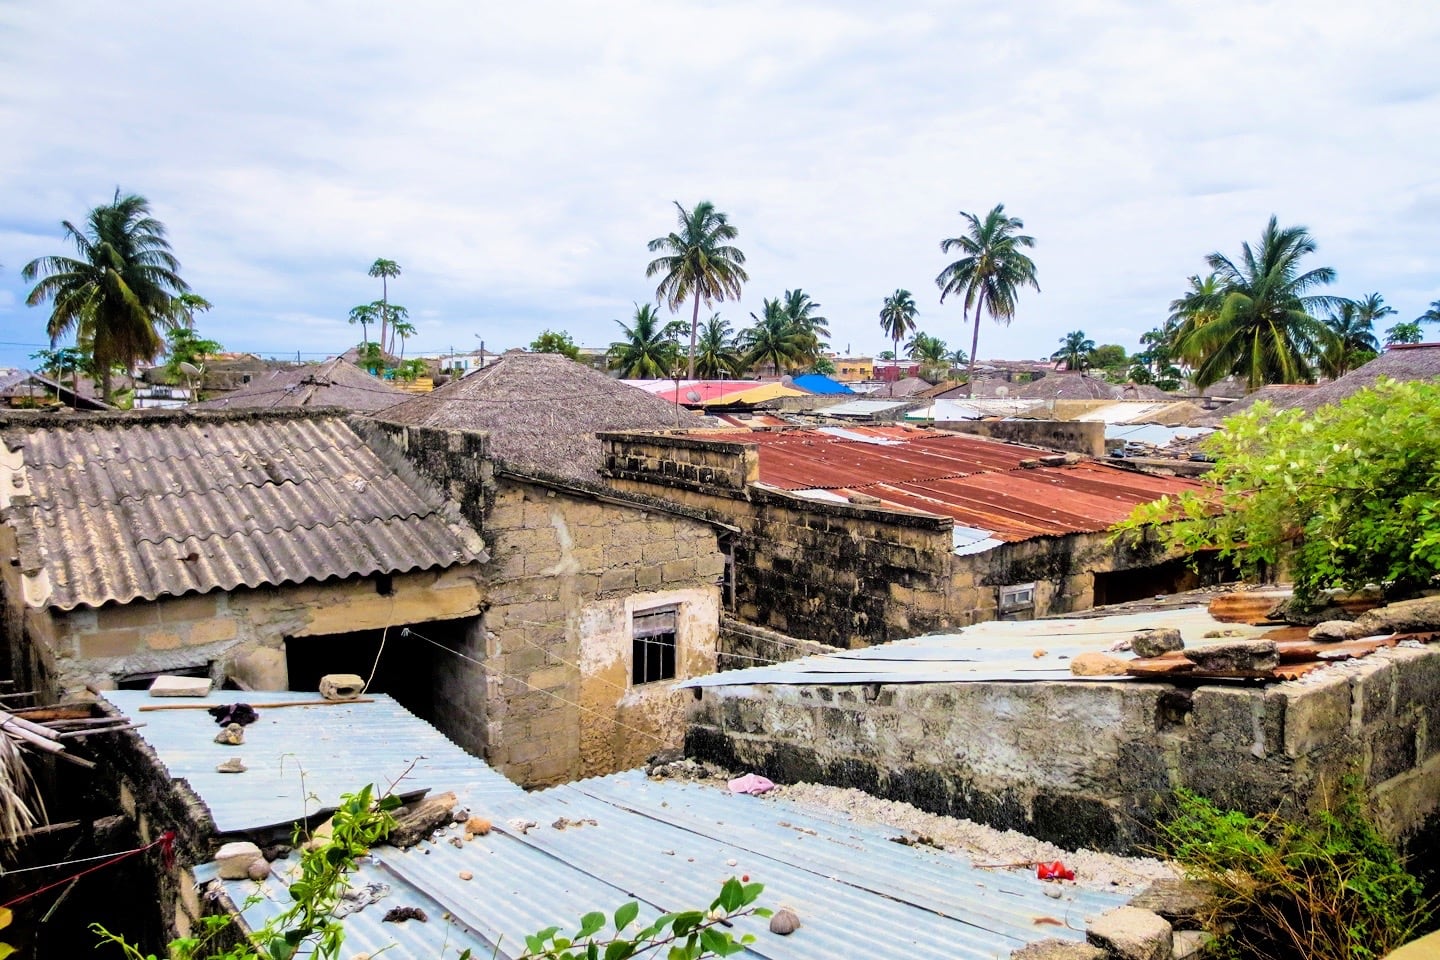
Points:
(974, 346)
(895, 354)
(384, 308)
(694, 329)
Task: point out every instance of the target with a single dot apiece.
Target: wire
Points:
(164, 841)
(389, 619)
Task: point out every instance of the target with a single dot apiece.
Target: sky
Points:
(515, 158)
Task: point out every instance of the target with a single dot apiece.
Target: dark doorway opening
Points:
(1123, 586)
(408, 669)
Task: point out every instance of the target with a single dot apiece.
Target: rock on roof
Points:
(334, 383)
(115, 508)
(542, 411)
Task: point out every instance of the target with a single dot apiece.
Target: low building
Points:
(24, 390)
(333, 383)
(538, 622)
(852, 369)
(854, 536)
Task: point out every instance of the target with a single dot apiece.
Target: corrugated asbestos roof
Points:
(977, 481)
(666, 844)
(338, 748)
(120, 509)
(987, 652)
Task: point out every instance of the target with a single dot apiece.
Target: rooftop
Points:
(665, 843)
(334, 383)
(542, 410)
(119, 507)
(1001, 490)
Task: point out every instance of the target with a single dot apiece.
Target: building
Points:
(537, 622)
(852, 369)
(24, 390)
(333, 383)
(853, 536)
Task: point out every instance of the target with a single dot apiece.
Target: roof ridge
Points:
(292, 528)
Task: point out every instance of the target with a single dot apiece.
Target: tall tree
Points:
(697, 262)
(384, 269)
(1431, 314)
(931, 353)
(715, 354)
(553, 341)
(645, 353)
(991, 272)
(365, 314)
(186, 305)
(1406, 331)
(802, 313)
(1352, 335)
(897, 320)
(404, 329)
(1075, 350)
(118, 293)
(1197, 307)
(1264, 327)
(775, 341)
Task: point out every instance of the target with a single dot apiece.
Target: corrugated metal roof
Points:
(976, 481)
(1153, 433)
(986, 652)
(336, 748)
(861, 408)
(118, 509)
(669, 845)
(980, 408)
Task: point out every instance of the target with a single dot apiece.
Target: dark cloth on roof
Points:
(542, 411)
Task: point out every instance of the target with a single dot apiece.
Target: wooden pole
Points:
(258, 706)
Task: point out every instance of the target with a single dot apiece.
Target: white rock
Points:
(1129, 933)
(234, 859)
(167, 686)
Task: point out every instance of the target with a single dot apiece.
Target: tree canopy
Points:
(1075, 350)
(645, 351)
(697, 261)
(555, 341)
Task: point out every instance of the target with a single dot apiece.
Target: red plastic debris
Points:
(1054, 871)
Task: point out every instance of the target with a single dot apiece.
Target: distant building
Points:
(851, 369)
(333, 383)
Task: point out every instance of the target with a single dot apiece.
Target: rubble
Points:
(1241, 658)
(168, 686)
(1098, 665)
(419, 820)
(1154, 642)
(1129, 933)
(233, 860)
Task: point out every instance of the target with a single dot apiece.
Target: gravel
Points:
(982, 845)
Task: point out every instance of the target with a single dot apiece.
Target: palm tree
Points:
(1199, 305)
(404, 329)
(931, 353)
(1431, 314)
(715, 354)
(646, 353)
(1352, 335)
(800, 310)
(698, 263)
(897, 318)
(121, 286)
(1264, 327)
(384, 269)
(1075, 350)
(991, 273)
(958, 357)
(775, 341)
(186, 306)
(365, 314)
(391, 314)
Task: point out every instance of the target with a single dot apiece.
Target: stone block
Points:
(1185, 903)
(1372, 693)
(1240, 658)
(1154, 642)
(1392, 750)
(168, 686)
(234, 859)
(1417, 688)
(1129, 933)
(677, 571)
(184, 609)
(217, 630)
(162, 640)
(262, 668)
(647, 578)
(109, 643)
(617, 581)
(1403, 803)
(1316, 715)
(137, 614)
(1243, 720)
(341, 686)
(1058, 950)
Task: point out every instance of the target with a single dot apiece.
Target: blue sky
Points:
(515, 158)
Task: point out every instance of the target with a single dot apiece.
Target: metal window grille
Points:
(653, 645)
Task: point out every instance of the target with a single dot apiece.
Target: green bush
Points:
(1326, 888)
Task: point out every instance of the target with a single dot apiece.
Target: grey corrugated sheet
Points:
(1152, 433)
(669, 845)
(860, 408)
(337, 748)
(986, 652)
(118, 511)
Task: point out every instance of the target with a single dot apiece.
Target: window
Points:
(653, 645)
(1017, 599)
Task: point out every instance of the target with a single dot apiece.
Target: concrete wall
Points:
(567, 575)
(1093, 764)
(851, 574)
(744, 645)
(1074, 436)
(232, 631)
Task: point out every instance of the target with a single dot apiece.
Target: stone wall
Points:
(1075, 436)
(1094, 763)
(853, 574)
(567, 574)
(744, 645)
(240, 632)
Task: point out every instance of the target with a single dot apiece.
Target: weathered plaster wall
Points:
(1076, 436)
(567, 573)
(852, 574)
(1093, 764)
(98, 646)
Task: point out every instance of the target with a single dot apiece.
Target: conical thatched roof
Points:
(334, 383)
(542, 410)
(1068, 386)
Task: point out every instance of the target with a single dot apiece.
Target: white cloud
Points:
(515, 159)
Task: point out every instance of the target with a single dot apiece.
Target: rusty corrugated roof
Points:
(118, 509)
(976, 481)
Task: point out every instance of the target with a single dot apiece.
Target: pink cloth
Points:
(752, 784)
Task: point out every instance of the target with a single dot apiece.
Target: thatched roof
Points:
(1067, 386)
(334, 383)
(543, 411)
(1143, 391)
(1278, 395)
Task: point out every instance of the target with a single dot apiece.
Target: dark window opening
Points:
(409, 669)
(142, 681)
(653, 645)
(1162, 579)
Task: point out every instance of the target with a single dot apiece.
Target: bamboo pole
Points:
(258, 706)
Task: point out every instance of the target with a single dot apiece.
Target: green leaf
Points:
(620, 950)
(685, 922)
(589, 924)
(626, 915)
(714, 941)
(750, 892)
(5, 948)
(731, 894)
